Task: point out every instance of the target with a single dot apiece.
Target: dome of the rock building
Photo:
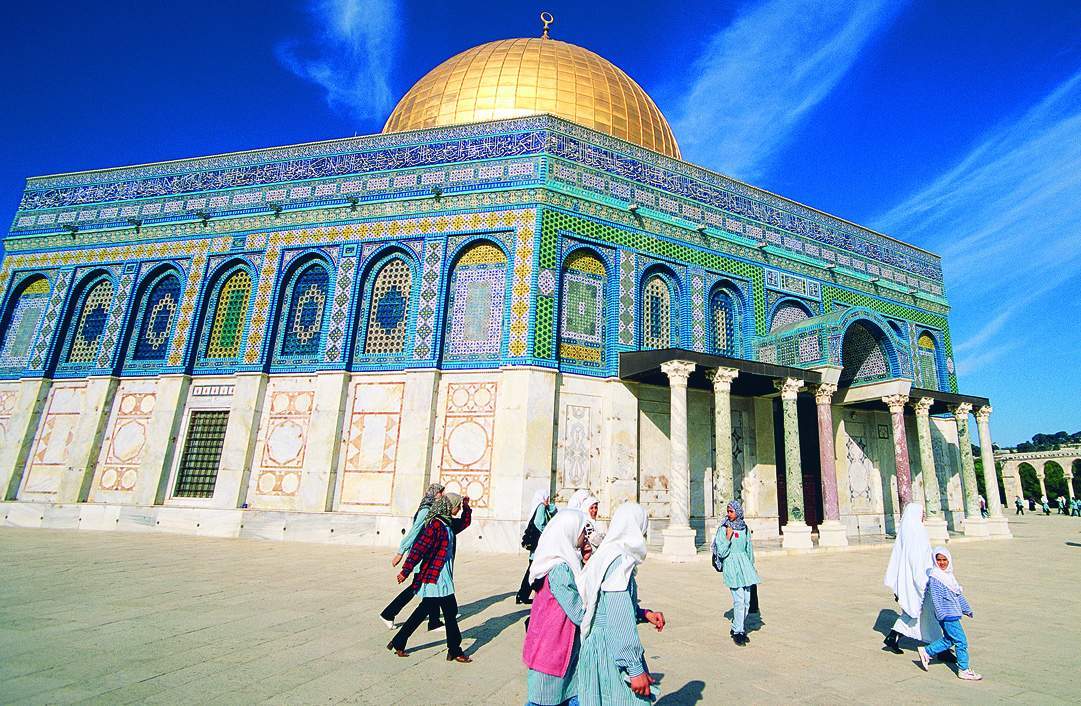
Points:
(512, 78)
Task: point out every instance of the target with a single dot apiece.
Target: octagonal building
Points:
(518, 284)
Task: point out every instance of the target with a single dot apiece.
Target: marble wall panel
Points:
(54, 438)
(283, 442)
(467, 439)
(578, 444)
(370, 451)
(126, 441)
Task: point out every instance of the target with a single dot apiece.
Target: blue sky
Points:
(955, 126)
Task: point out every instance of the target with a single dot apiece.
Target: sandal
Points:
(395, 650)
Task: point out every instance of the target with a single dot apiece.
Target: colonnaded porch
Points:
(1066, 459)
(813, 413)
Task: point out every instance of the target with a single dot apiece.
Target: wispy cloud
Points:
(350, 54)
(1006, 219)
(759, 77)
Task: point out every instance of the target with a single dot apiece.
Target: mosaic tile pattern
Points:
(429, 295)
(90, 323)
(116, 318)
(628, 287)
(656, 314)
(926, 362)
(864, 356)
(475, 321)
(340, 306)
(582, 317)
(723, 324)
(157, 318)
(698, 313)
(227, 325)
(303, 322)
(20, 327)
(787, 314)
(388, 312)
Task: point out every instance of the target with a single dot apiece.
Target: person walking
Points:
(551, 647)
(732, 547)
(1044, 506)
(585, 502)
(420, 519)
(906, 576)
(1019, 505)
(950, 605)
(1075, 507)
(434, 551)
(983, 507)
(612, 670)
(541, 511)
(1062, 505)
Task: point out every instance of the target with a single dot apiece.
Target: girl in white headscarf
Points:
(551, 644)
(612, 669)
(906, 576)
(587, 503)
(540, 512)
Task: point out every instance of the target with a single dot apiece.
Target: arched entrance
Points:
(1030, 482)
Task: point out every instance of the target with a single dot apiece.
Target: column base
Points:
(999, 527)
(679, 544)
(832, 533)
(937, 531)
(976, 527)
(796, 536)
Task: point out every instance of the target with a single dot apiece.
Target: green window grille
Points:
(202, 453)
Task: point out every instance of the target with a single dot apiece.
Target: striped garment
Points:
(948, 605)
(543, 688)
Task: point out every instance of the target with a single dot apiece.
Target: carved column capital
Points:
(789, 387)
(923, 406)
(961, 411)
(824, 393)
(677, 371)
(722, 378)
(983, 414)
(896, 403)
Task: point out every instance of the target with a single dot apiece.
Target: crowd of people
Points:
(1065, 506)
(581, 641)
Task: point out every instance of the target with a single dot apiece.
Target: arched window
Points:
(89, 326)
(157, 317)
(475, 322)
(926, 362)
(388, 309)
(864, 355)
(230, 310)
(581, 321)
(302, 321)
(657, 329)
(20, 327)
(786, 314)
(723, 322)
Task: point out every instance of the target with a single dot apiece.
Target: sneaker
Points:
(969, 675)
(388, 623)
(925, 659)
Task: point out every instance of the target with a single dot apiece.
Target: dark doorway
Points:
(812, 470)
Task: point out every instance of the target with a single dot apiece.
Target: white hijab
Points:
(626, 538)
(558, 544)
(945, 577)
(906, 574)
(539, 498)
(577, 500)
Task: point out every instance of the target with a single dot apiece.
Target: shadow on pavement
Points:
(689, 693)
(478, 606)
(885, 621)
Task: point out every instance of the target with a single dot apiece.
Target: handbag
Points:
(718, 562)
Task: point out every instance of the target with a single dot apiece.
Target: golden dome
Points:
(512, 78)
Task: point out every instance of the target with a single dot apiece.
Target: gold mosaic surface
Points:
(516, 77)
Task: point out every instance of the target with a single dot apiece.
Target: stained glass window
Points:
(863, 355)
(303, 320)
(656, 314)
(723, 321)
(158, 316)
(475, 324)
(786, 314)
(90, 325)
(18, 331)
(582, 313)
(927, 362)
(388, 311)
(198, 473)
(229, 313)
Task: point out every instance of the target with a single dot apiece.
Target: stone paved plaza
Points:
(153, 618)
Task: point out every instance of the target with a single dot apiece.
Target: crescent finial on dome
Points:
(548, 20)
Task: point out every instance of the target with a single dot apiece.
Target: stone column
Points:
(723, 481)
(831, 533)
(975, 525)
(1069, 483)
(897, 403)
(997, 525)
(796, 534)
(932, 500)
(1043, 487)
(679, 538)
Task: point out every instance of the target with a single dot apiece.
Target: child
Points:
(732, 545)
(950, 605)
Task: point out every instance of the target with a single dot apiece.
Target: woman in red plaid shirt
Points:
(434, 552)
